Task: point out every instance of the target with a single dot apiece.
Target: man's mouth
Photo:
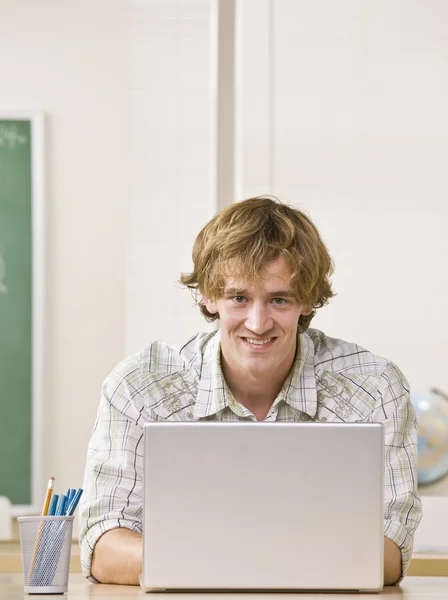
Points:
(258, 342)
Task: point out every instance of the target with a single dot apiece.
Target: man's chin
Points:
(257, 363)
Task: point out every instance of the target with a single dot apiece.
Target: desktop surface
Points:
(411, 588)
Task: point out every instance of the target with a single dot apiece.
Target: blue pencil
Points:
(61, 505)
(74, 503)
(54, 501)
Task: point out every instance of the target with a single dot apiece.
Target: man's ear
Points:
(306, 310)
(210, 305)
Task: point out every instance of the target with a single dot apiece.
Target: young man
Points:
(261, 267)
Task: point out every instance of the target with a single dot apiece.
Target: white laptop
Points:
(272, 506)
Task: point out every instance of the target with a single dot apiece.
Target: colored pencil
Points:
(48, 497)
(74, 503)
(61, 506)
(54, 502)
(51, 533)
(41, 527)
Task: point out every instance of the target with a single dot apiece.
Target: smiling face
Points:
(259, 322)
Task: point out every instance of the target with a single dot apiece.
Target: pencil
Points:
(70, 509)
(54, 502)
(48, 496)
(41, 527)
(60, 510)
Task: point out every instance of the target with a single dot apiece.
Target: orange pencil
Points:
(48, 496)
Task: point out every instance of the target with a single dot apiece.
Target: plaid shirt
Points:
(331, 381)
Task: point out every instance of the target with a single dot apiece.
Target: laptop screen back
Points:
(249, 505)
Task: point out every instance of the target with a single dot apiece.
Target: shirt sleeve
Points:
(113, 477)
(402, 505)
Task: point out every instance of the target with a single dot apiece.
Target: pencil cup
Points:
(46, 544)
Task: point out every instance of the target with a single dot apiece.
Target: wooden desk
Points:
(411, 588)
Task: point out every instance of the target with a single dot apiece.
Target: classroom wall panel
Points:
(173, 150)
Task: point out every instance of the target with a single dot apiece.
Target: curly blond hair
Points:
(251, 233)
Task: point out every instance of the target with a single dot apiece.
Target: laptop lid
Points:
(250, 505)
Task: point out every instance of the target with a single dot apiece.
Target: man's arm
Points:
(392, 562)
(117, 557)
(402, 506)
(113, 481)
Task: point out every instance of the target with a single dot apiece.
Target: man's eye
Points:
(279, 301)
(239, 299)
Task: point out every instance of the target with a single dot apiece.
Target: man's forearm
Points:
(117, 557)
(392, 562)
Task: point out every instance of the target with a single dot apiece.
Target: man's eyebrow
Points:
(282, 294)
(233, 291)
(241, 292)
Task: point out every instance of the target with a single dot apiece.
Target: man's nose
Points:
(258, 319)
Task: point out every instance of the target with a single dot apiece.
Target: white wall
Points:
(69, 59)
(173, 138)
(343, 113)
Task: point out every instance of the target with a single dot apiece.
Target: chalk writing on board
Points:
(10, 137)
(3, 288)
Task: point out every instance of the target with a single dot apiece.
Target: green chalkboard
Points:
(16, 317)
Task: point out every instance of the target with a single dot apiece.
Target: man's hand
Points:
(117, 557)
(392, 562)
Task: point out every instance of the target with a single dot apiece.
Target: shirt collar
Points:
(212, 389)
(298, 391)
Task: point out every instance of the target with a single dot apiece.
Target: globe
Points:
(432, 414)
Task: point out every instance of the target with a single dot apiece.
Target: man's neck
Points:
(258, 396)
(254, 390)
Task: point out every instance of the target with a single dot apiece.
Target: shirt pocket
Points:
(348, 398)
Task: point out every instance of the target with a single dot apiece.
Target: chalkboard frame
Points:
(36, 120)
